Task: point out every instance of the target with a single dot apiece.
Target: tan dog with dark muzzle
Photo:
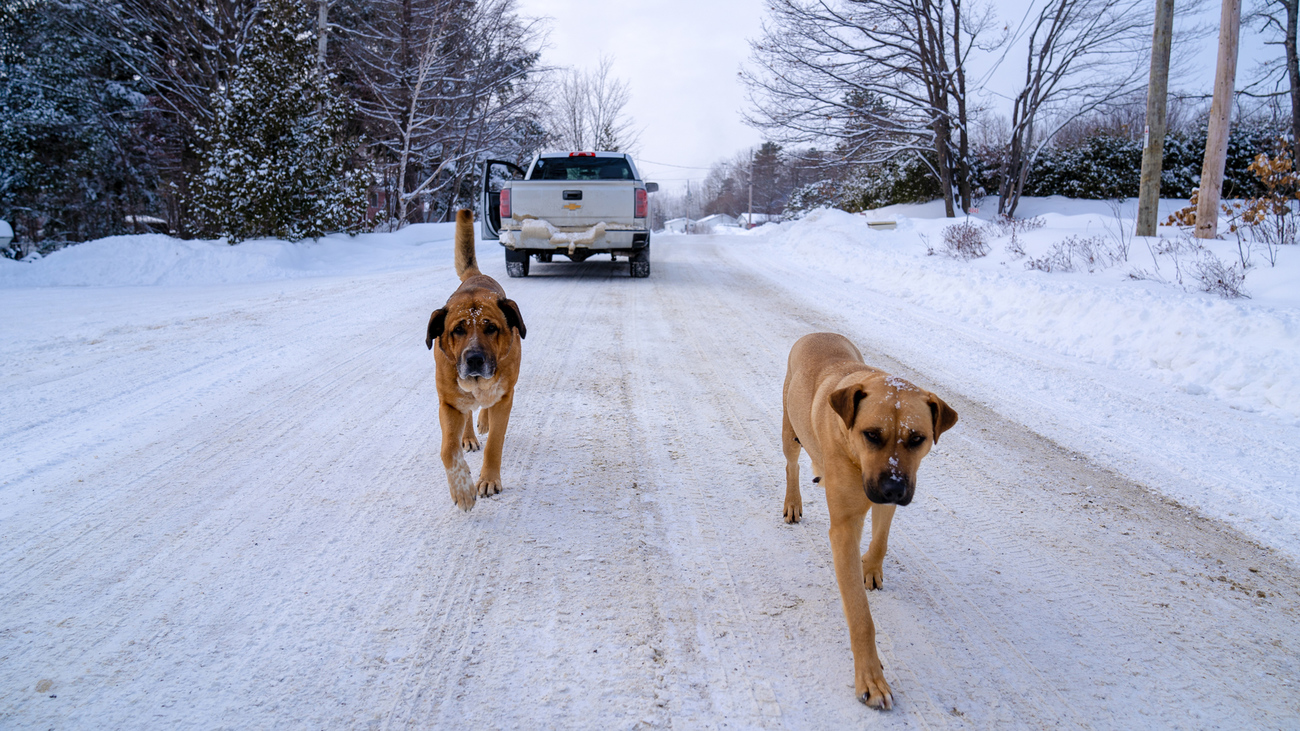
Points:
(479, 334)
(865, 432)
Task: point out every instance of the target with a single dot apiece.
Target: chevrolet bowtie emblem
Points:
(572, 206)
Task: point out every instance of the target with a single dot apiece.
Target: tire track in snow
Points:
(208, 455)
(732, 643)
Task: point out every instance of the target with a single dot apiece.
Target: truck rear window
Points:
(581, 168)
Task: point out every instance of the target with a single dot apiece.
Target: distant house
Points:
(679, 226)
(376, 202)
(708, 223)
(750, 220)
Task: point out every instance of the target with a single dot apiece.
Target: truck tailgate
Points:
(608, 201)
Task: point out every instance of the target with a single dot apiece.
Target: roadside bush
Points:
(965, 241)
(1076, 253)
(1271, 218)
(1014, 227)
(1103, 166)
(1219, 277)
(1109, 165)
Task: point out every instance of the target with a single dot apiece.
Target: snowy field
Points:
(223, 505)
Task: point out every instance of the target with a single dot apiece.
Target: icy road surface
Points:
(223, 508)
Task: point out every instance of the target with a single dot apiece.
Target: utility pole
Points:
(1153, 146)
(1216, 143)
(749, 223)
(690, 209)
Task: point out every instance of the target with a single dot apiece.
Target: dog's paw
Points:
(488, 485)
(793, 511)
(873, 574)
(470, 443)
(461, 483)
(872, 690)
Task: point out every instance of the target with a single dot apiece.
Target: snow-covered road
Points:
(223, 508)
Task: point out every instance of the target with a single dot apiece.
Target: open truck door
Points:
(495, 174)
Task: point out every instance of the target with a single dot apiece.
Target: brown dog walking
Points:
(479, 334)
(866, 433)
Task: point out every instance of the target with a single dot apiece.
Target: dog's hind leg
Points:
(873, 561)
(468, 441)
(484, 423)
(790, 447)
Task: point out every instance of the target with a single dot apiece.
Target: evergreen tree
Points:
(275, 161)
(768, 165)
(71, 164)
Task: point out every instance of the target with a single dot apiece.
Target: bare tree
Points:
(877, 78)
(439, 83)
(1278, 19)
(570, 124)
(609, 96)
(589, 110)
(1081, 55)
(185, 51)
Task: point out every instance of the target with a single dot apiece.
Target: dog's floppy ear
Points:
(513, 318)
(845, 402)
(437, 322)
(944, 416)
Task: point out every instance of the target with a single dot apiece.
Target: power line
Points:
(668, 164)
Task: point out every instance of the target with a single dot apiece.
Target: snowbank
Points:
(156, 259)
(1246, 352)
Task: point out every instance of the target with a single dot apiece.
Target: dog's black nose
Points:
(892, 488)
(474, 362)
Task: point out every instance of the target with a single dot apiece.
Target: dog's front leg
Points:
(498, 415)
(459, 479)
(847, 518)
(873, 561)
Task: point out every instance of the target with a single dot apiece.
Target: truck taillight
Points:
(505, 203)
(642, 203)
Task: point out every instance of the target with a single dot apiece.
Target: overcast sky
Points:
(680, 59)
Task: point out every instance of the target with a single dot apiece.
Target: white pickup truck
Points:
(571, 203)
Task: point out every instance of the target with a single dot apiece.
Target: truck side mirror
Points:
(652, 187)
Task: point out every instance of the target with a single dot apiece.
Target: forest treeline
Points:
(1097, 158)
(243, 118)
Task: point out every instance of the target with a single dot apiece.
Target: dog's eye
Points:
(459, 329)
(874, 438)
(490, 328)
(915, 441)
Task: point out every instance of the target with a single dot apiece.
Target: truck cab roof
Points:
(589, 166)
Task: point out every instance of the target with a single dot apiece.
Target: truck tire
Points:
(516, 263)
(640, 262)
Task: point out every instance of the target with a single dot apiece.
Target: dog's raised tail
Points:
(466, 263)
